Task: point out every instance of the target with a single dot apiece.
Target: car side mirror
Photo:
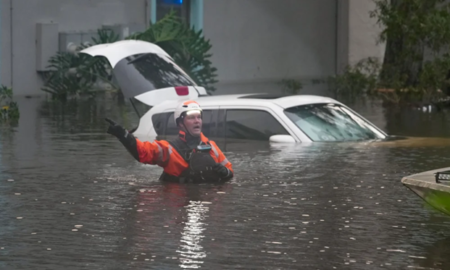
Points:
(282, 139)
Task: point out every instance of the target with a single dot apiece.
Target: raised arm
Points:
(145, 152)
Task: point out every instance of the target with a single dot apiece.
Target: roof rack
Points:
(265, 96)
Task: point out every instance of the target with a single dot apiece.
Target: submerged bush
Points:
(74, 73)
(291, 86)
(356, 81)
(9, 111)
(363, 80)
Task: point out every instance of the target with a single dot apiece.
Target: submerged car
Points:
(146, 73)
(263, 117)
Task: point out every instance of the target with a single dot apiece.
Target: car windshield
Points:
(331, 122)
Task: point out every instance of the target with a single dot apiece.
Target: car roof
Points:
(263, 99)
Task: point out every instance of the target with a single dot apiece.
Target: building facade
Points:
(255, 43)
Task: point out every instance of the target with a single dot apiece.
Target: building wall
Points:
(358, 33)
(364, 32)
(18, 31)
(5, 48)
(257, 43)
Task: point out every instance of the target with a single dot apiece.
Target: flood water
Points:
(303, 206)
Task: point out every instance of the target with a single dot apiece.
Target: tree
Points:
(410, 28)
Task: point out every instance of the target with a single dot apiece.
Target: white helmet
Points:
(185, 108)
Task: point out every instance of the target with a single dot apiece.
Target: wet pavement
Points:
(73, 198)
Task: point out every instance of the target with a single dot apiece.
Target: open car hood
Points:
(146, 72)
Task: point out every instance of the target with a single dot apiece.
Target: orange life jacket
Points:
(175, 164)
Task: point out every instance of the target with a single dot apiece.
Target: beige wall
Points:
(358, 33)
(364, 31)
(18, 49)
(256, 43)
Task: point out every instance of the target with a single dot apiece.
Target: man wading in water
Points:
(190, 158)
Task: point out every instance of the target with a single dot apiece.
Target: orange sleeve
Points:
(155, 153)
(222, 159)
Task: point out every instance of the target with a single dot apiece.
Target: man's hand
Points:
(116, 129)
(221, 170)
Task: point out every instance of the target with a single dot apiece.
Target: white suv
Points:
(148, 74)
(262, 117)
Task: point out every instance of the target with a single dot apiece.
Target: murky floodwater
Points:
(73, 198)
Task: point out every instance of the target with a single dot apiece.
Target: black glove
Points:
(222, 171)
(126, 138)
(116, 129)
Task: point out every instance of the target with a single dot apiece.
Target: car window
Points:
(141, 73)
(171, 127)
(221, 123)
(331, 122)
(158, 122)
(207, 126)
(252, 125)
(213, 124)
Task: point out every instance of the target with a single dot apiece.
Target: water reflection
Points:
(416, 123)
(192, 253)
(168, 222)
(198, 201)
(436, 256)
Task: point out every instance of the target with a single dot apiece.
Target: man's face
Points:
(193, 123)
